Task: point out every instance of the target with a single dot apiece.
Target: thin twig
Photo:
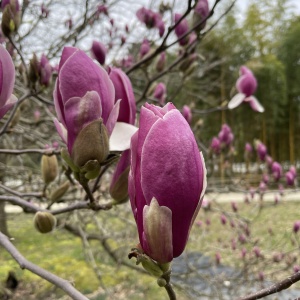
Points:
(275, 288)
(48, 152)
(25, 264)
(34, 208)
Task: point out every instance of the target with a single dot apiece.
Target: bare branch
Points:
(25, 264)
(275, 288)
(34, 208)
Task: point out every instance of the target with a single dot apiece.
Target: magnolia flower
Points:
(215, 145)
(11, 16)
(248, 147)
(7, 81)
(181, 29)
(127, 114)
(246, 86)
(44, 11)
(45, 71)
(160, 93)
(296, 226)
(145, 48)
(187, 113)
(201, 12)
(84, 99)
(261, 151)
(160, 65)
(290, 178)
(167, 181)
(225, 135)
(151, 19)
(98, 51)
(277, 170)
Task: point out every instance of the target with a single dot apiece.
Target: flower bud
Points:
(99, 150)
(161, 282)
(44, 222)
(49, 167)
(296, 226)
(215, 145)
(58, 193)
(248, 148)
(33, 69)
(10, 16)
(99, 52)
(145, 48)
(160, 65)
(201, 12)
(45, 71)
(160, 93)
(290, 179)
(163, 210)
(277, 170)
(181, 29)
(187, 113)
(119, 185)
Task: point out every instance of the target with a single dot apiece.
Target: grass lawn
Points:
(269, 229)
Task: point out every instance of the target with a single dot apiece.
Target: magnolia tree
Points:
(120, 136)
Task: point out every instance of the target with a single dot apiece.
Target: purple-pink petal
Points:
(247, 84)
(167, 176)
(99, 52)
(79, 74)
(7, 76)
(80, 112)
(124, 91)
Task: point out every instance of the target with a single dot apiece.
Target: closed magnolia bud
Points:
(95, 135)
(49, 167)
(10, 16)
(33, 69)
(119, 191)
(58, 193)
(44, 222)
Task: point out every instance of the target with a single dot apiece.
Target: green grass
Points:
(61, 253)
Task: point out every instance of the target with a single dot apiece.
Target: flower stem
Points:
(170, 291)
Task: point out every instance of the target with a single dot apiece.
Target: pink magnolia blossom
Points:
(293, 170)
(7, 81)
(165, 199)
(145, 48)
(201, 12)
(83, 93)
(215, 145)
(127, 114)
(290, 178)
(246, 86)
(277, 170)
(45, 71)
(99, 51)
(261, 151)
(187, 113)
(248, 148)
(44, 11)
(160, 65)
(151, 19)
(160, 93)
(181, 29)
(296, 226)
(225, 135)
